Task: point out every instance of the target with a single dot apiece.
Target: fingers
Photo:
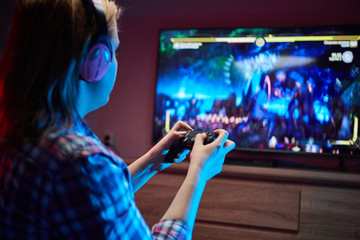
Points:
(181, 125)
(176, 133)
(223, 140)
(179, 134)
(222, 136)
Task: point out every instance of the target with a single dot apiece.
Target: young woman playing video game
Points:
(58, 181)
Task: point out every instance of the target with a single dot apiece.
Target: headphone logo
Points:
(99, 56)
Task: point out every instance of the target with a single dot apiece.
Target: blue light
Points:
(95, 54)
(306, 118)
(296, 113)
(167, 103)
(171, 112)
(322, 113)
(106, 56)
(181, 111)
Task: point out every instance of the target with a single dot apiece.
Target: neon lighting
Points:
(311, 38)
(350, 141)
(214, 39)
(322, 112)
(167, 122)
(269, 38)
(237, 39)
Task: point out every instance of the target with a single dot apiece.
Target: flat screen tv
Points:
(282, 89)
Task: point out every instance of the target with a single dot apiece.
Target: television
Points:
(274, 89)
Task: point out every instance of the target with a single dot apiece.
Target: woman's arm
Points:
(153, 161)
(205, 162)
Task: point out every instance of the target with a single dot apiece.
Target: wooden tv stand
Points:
(263, 203)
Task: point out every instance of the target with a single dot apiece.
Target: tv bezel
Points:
(274, 154)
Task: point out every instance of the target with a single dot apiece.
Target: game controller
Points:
(186, 142)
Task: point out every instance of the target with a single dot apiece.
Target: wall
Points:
(128, 116)
(6, 10)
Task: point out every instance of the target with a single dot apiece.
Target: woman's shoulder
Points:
(66, 150)
(71, 145)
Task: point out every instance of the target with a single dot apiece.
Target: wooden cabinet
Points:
(263, 203)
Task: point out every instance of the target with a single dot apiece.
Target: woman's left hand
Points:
(159, 151)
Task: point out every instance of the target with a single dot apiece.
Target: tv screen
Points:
(289, 89)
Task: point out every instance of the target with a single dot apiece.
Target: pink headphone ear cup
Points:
(97, 63)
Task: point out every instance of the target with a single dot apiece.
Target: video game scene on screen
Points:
(281, 89)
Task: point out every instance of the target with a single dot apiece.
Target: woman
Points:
(57, 180)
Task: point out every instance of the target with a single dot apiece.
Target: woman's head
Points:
(47, 38)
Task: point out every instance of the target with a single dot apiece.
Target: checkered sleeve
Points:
(171, 229)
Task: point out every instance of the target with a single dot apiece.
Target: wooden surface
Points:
(330, 213)
(321, 177)
(250, 204)
(263, 203)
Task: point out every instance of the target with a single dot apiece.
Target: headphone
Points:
(99, 55)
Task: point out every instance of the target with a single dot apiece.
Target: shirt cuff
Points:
(171, 229)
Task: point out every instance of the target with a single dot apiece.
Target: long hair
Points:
(36, 92)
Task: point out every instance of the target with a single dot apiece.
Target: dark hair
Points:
(36, 93)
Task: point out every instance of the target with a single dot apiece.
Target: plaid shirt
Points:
(70, 186)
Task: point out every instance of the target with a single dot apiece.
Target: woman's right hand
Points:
(208, 159)
(205, 162)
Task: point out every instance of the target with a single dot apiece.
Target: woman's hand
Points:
(205, 162)
(152, 162)
(208, 159)
(159, 151)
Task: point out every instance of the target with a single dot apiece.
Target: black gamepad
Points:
(186, 142)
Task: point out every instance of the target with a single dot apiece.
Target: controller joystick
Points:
(186, 142)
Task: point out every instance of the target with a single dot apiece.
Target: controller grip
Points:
(172, 154)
